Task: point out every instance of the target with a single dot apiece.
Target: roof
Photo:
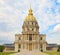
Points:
(9, 45)
(52, 45)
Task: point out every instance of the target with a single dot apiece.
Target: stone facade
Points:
(30, 39)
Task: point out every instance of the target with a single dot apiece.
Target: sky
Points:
(13, 13)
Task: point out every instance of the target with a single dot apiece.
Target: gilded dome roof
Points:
(30, 16)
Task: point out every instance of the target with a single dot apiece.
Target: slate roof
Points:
(9, 45)
(52, 45)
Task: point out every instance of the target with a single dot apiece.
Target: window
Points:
(27, 37)
(28, 29)
(19, 46)
(30, 37)
(32, 29)
(19, 38)
(18, 50)
(41, 38)
(40, 46)
(32, 23)
(28, 22)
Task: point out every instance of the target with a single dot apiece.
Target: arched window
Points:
(18, 50)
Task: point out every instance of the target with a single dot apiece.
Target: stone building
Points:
(30, 39)
(52, 47)
(8, 48)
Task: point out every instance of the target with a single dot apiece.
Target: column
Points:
(25, 46)
(38, 42)
(21, 46)
(28, 47)
(38, 46)
(16, 47)
(32, 46)
(44, 47)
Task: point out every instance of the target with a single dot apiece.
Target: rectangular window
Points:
(30, 37)
(19, 38)
(32, 23)
(28, 22)
(19, 46)
(40, 38)
(40, 46)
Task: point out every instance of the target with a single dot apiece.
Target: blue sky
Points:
(13, 13)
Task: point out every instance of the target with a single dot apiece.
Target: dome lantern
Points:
(30, 12)
(30, 16)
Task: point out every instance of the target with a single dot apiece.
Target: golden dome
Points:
(30, 16)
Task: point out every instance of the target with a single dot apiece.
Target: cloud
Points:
(58, 1)
(57, 27)
(53, 35)
(6, 37)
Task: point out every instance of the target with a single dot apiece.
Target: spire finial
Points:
(30, 10)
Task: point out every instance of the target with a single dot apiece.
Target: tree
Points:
(1, 48)
(58, 48)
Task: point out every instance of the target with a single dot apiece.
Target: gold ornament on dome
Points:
(30, 16)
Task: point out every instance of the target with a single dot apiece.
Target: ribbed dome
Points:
(30, 16)
(30, 24)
